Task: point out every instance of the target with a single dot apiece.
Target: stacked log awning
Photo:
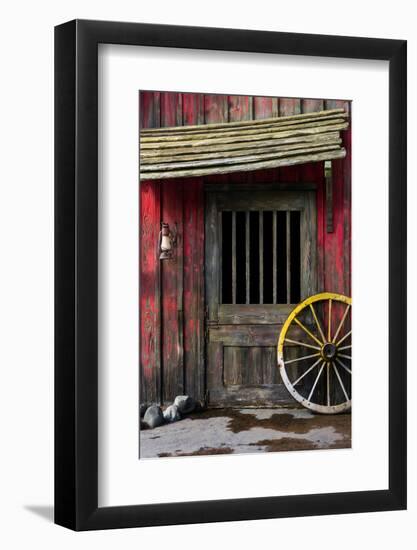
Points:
(202, 150)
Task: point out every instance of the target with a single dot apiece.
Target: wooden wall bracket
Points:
(329, 195)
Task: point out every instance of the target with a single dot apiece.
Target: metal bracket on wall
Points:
(329, 195)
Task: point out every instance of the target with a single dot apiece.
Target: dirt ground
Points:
(227, 431)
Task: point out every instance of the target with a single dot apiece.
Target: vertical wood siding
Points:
(150, 318)
(172, 292)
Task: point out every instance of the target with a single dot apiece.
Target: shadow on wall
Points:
(45, 512)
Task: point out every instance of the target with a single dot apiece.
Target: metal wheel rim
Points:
(308, 403)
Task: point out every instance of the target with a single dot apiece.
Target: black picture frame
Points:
(76, 271)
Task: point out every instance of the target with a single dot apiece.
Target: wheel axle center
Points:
(329, 351)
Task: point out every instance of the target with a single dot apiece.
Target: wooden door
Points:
(260, 261)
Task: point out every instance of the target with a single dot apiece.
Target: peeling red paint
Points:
(177, 356)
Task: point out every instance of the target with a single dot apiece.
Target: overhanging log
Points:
(276, 163)
(190, 151)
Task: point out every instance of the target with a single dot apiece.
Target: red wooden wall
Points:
(172, 292)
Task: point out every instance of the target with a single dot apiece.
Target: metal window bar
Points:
(261, 257)
(288, 233)
(234, 257)
(274, 257)
(244, 275)
(247, 259)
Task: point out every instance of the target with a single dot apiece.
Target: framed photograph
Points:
(230, 275)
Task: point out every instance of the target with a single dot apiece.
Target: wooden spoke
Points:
(301, 344)
(344, 338)
(307, 371)
(345, 356)
(340, 382)
(315, 382)
(345, 347)
(328, 386)
(341, 323)
(302, 358)
(305, 329)
(313, 311)
(329, 327)
(344, 366)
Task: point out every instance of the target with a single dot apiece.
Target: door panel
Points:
(260, 261)
(263, 359)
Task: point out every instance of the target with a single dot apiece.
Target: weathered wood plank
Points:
(240, 148)
(270, 369)
(265, 186)
(240, 109)
(265, 107)
(311, 142)
(216, 108)
(216, 112)
(150, 111)
(194, 289)
(271, 395)
(150, 337)
(245, 335)
(306, 128)
(321, 228)
(337, 244)
(252, 366)
(289, 107)
(311, 106)
(337, 104)
(212, 255)
(215, 357)
(253, 313)
(192, 109)
(347, 206)
(234, 359)
(314, 172)
(227, 161)
(292, 161)
(290, 199)
(171, 110)
(278, 126)
(171, 281)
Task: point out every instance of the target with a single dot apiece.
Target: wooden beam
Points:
(309, 128)
(248, 149)
(240, 148)
(275, 163)
(235, 160)
(198, 127)
(240, 130)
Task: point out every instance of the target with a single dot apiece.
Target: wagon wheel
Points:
(314, 353)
